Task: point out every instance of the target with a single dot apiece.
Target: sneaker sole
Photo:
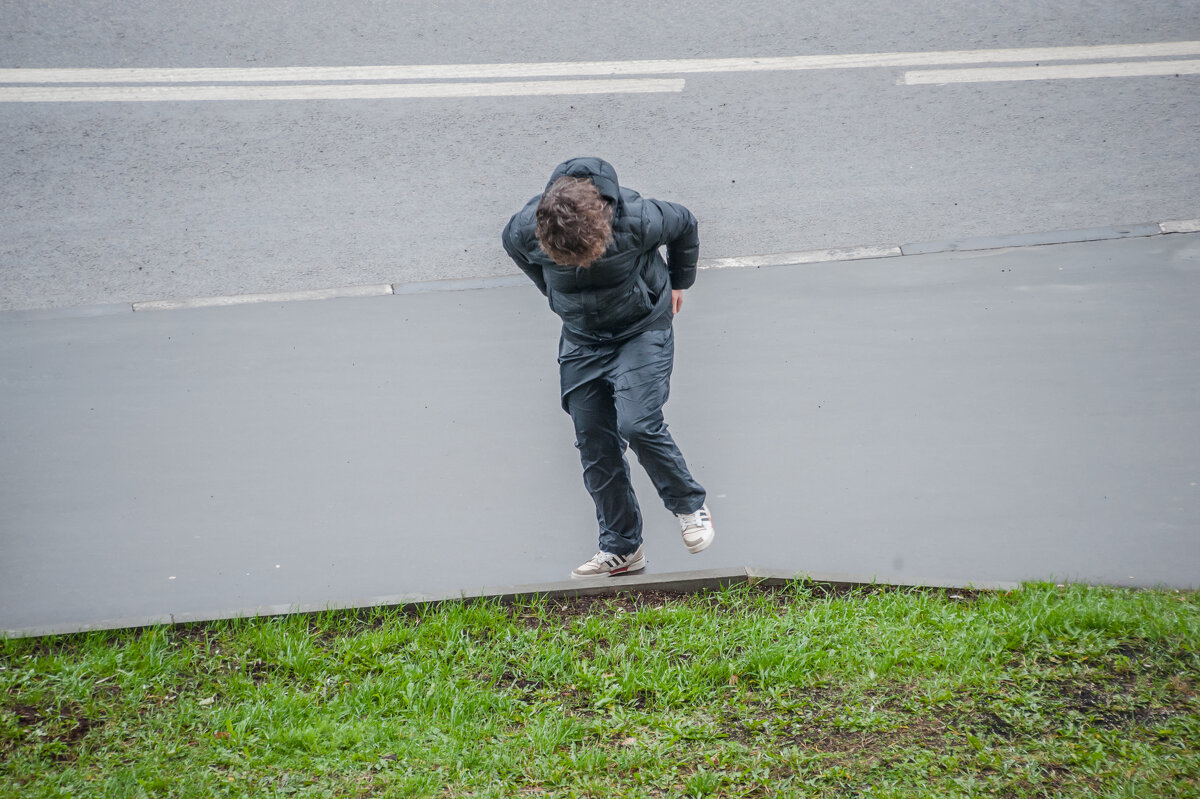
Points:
(704, 544)
(635, 566)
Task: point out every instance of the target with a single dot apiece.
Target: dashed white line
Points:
(327, 91)
(1120, 69)
(1180, 226)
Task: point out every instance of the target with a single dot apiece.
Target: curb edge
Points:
(818, 256)
(681, 582)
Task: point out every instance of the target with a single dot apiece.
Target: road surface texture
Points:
(109, 199)
(970, 416)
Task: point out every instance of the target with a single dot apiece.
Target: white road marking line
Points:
(1121, 69)
(806, 257)
(565, 69)
(1180, 226)
(244, 299)
(331, 91)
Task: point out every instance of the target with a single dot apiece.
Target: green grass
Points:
(1046, 691)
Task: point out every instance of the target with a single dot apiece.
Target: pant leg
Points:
(642, 384)
(605, 469)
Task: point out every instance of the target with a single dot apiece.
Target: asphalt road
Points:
(126, 201)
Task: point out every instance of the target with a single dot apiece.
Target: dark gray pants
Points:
(615, 394)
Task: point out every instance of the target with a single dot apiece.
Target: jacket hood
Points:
(599, 171)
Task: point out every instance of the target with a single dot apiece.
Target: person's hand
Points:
(676, 300)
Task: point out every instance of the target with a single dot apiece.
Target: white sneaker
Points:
(606, 564)
(697, 529)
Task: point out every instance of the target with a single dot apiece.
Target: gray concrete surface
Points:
(1002, 415)
(109, 202)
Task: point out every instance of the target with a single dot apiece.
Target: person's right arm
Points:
(512, 245)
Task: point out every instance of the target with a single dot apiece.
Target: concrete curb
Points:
(676, 582)
(835, 254)
(805, 257)
(245, 299)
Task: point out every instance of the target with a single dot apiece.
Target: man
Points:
(592, 247)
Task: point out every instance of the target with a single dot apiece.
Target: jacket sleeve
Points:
(679, 231)
(512, 245)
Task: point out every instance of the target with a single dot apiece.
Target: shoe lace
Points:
(687, 520)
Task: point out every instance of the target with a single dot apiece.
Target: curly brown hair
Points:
(574, 223)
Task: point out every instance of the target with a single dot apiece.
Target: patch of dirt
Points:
(828, 590)
(628, 602)
(203, 634)
(259, 671)
(513, 681)
(66, 724)
(1183, 687)
(1055, 779)
(860, 743)
(565, 608)
(814, 718)
(985, 722)
(1102, 704)
(561, 610)
(578, 702)
(809, 717)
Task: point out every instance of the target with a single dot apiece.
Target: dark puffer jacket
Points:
(628, 290)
